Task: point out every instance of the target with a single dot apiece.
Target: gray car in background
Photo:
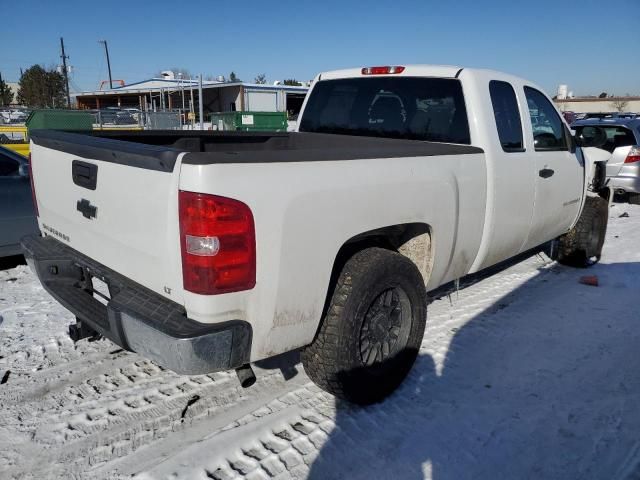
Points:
(623, 141)
(17, 215)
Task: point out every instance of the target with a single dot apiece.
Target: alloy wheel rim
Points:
(386, 325)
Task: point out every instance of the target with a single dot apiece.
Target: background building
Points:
(599, 105)
(179, 94)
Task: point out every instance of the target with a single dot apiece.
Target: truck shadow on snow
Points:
(542, 384)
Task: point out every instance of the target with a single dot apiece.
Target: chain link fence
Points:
(134, 118)
(14, 135)
(161, 120)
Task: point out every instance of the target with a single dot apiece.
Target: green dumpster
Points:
(71, 120)
(249, 121)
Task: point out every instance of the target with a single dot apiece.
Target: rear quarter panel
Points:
(305, 211)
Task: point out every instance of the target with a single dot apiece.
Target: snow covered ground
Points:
(526, 374)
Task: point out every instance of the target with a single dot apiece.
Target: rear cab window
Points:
(617, 135)
(507, 116)
(416, 108)
(549, 132)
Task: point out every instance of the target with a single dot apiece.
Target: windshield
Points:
(414, 108)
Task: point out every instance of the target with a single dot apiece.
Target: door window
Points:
(507, 115)
(549, 133)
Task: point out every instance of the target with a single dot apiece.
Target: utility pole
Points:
(1, 92)
(200, 104)
(65, 72)
(106, 51)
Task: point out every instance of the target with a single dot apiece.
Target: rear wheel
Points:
(582, 245)
(373, 328)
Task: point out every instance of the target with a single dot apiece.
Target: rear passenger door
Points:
(559, 173)
(513, 183)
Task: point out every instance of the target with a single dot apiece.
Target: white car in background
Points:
(623, 142)
(13, 116)
(134, 112)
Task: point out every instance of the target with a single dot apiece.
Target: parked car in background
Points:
(570, 117)
(115, 116)
(623, 142)
(17, 215)
(12, 116)
(134, 112)
(628, 115)
(602, 115)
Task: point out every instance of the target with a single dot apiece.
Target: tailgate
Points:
(115, 202)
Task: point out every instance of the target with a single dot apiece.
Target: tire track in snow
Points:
(87, 413)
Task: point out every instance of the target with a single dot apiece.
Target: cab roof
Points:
(425, 70)
(446, 71)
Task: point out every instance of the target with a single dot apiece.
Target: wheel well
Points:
(605, 193)
(413, 240)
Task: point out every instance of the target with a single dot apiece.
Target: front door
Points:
(559, 173)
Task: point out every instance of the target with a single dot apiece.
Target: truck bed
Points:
(158, 150)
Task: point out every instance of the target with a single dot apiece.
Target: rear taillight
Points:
(633, 156)
(218, 242)
(382, 70)
(33, 188)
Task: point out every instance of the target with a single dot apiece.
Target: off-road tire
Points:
(582, 246)
(335, 360)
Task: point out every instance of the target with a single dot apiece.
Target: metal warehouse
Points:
(181, 94)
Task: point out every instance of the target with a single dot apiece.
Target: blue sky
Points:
(591, 45)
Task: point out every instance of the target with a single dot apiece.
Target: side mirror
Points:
(23, 170)
(591, 136)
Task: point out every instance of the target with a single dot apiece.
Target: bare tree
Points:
(620, 104)
(260, 79)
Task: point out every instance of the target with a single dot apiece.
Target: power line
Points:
(74, 86)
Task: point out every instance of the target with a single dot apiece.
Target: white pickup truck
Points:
(221, 249)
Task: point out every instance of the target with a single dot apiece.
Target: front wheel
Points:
(371, 333)
(582, 245)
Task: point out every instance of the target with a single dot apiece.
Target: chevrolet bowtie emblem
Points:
(87, 210)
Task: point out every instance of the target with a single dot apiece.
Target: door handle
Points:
(546, 172)
(84, 174)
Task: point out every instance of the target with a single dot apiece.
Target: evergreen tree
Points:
(41, 88)
(6, 95)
